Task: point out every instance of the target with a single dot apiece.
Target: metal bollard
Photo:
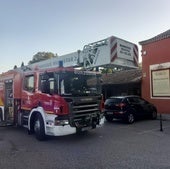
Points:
(161, 128)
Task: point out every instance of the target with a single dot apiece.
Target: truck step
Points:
(5, 123)
(25, 117)
(25, 126)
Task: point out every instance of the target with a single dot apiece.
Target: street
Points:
(116, 145)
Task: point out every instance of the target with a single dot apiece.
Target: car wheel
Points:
(39, 128)
(109, 118)
(130, 118)
(154, 115)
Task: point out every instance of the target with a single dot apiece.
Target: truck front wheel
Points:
(39, 128)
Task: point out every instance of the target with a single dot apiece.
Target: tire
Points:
(1, 117)
(130, 118)
(109, 118)
(80, 132)
(39, 128)
(154, 115)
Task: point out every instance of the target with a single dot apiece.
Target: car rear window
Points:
(114, 100)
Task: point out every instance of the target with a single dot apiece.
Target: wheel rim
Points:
(130, 118)
(37, 126)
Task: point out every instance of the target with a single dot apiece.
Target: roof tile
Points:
(159, 37)
(123, 77)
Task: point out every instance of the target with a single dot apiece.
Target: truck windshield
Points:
(79, 83)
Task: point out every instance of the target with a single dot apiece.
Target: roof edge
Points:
(159, 37)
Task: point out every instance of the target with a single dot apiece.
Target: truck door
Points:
(9, 102)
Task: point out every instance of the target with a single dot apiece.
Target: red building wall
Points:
(157, 52)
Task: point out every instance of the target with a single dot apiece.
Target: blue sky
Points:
(64, 26)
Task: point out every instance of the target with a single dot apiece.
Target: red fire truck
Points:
(54, 101)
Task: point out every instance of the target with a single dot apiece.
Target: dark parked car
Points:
(128, 108)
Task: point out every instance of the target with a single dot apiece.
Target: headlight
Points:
(61, 122)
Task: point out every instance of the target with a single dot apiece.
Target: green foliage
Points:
(15, 67)
(107, 70)
(40, 56)
(22, 64)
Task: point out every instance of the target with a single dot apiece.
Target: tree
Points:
(40, 56)
(107, 70)
(15, 67)
(22, 64)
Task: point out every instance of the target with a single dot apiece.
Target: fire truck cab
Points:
(54, 101)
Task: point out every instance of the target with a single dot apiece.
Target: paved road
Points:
(114, 146)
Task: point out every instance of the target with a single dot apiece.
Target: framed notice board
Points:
(160, 83)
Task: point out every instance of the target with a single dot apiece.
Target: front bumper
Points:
(62, 130)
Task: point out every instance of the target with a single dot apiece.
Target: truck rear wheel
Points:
(39, 128)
